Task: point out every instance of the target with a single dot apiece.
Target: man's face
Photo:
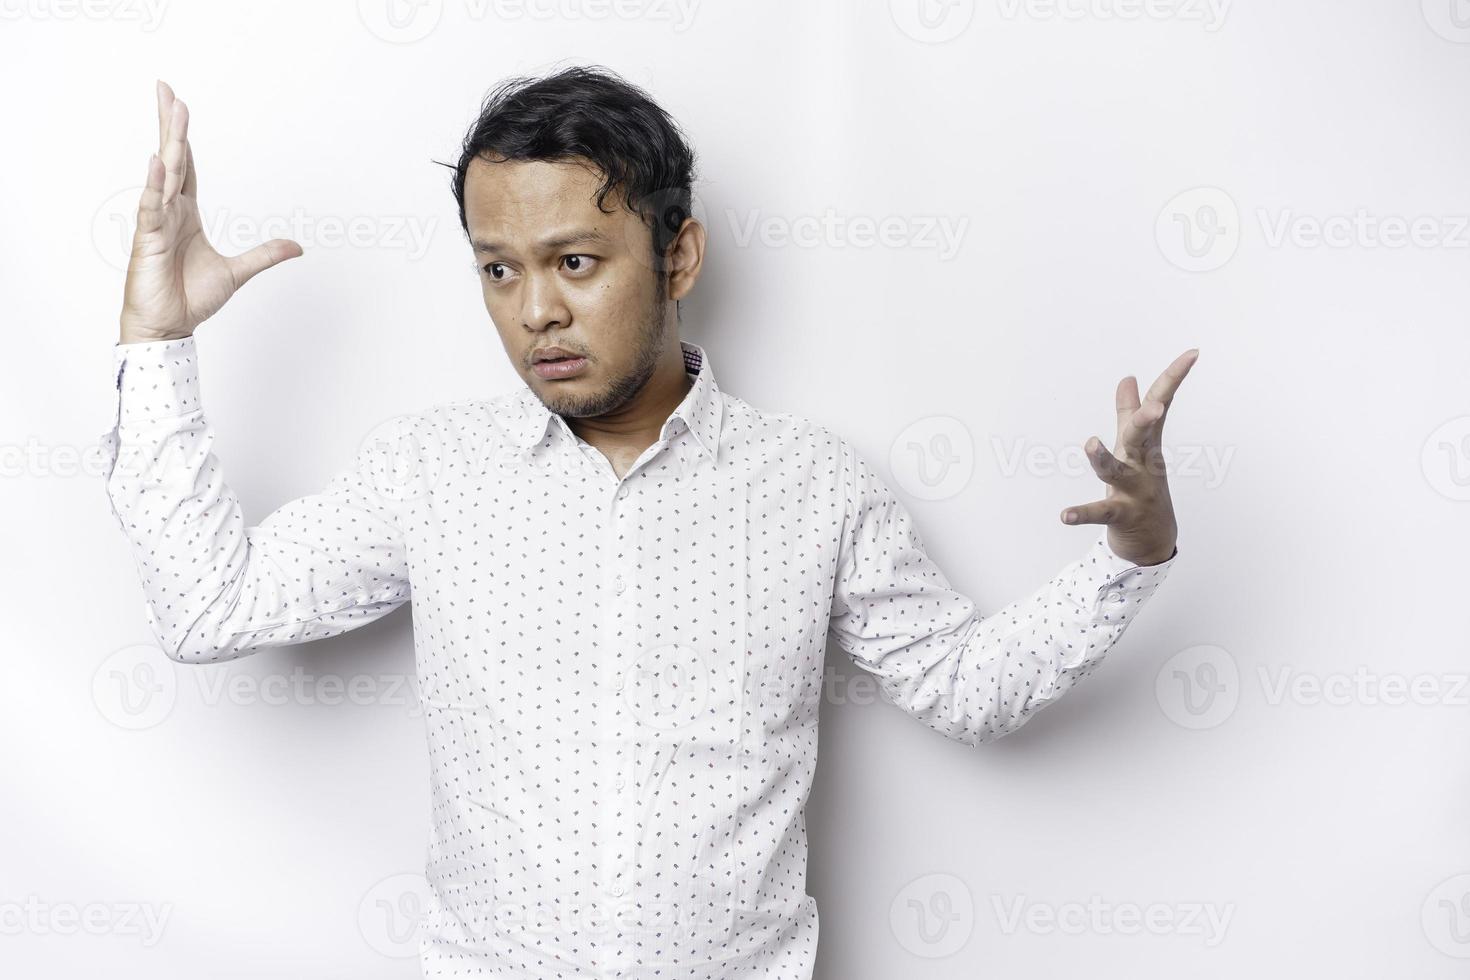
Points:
(557, 271)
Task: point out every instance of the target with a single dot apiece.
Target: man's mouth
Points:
(559, 366)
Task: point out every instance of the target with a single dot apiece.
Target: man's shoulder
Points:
(787, 432)
(455, 419)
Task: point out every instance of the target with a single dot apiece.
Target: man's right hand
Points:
(176, 280)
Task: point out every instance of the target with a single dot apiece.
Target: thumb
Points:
(247, 265)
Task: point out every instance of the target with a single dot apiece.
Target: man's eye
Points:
(490, 267)
(579, 263)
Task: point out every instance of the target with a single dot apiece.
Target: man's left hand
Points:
(1137, 509)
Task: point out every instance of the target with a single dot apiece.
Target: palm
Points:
(175, 273)
(1136, 505)
(176, 279)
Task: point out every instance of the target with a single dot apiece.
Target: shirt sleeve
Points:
(215, 589)
(970, 677)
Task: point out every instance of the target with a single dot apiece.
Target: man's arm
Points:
(216, 589)
(970, 677)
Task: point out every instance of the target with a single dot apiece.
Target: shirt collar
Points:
(701, 410)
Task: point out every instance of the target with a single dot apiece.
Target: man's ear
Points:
(685, 259)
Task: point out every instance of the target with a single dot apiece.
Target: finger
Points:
(1142, 429)
(165, 110)
(247, 265)
(1163, 388)
(150, 206)
(1108, 467)
(1097, 512)
(191, 182)
(1125, 402)
(175, 152)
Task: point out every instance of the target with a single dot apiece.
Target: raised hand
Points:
(176, 280)
(1137, 508)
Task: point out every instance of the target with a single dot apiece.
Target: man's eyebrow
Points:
(589, 237)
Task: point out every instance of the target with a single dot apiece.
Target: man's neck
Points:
(624, 435)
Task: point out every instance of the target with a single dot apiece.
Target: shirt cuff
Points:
(1121, 586)
(156, 380)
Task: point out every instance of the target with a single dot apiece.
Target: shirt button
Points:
(618, 583)
(619, 783)
(616, 889)
(1115, 597)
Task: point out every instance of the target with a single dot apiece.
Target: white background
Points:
(1321, 471)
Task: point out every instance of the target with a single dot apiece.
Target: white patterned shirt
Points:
(621, 676)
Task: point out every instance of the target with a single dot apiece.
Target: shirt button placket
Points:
(622, 823)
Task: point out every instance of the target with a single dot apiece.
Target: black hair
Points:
(590, 113)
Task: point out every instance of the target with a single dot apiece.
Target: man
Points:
(622, 577)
